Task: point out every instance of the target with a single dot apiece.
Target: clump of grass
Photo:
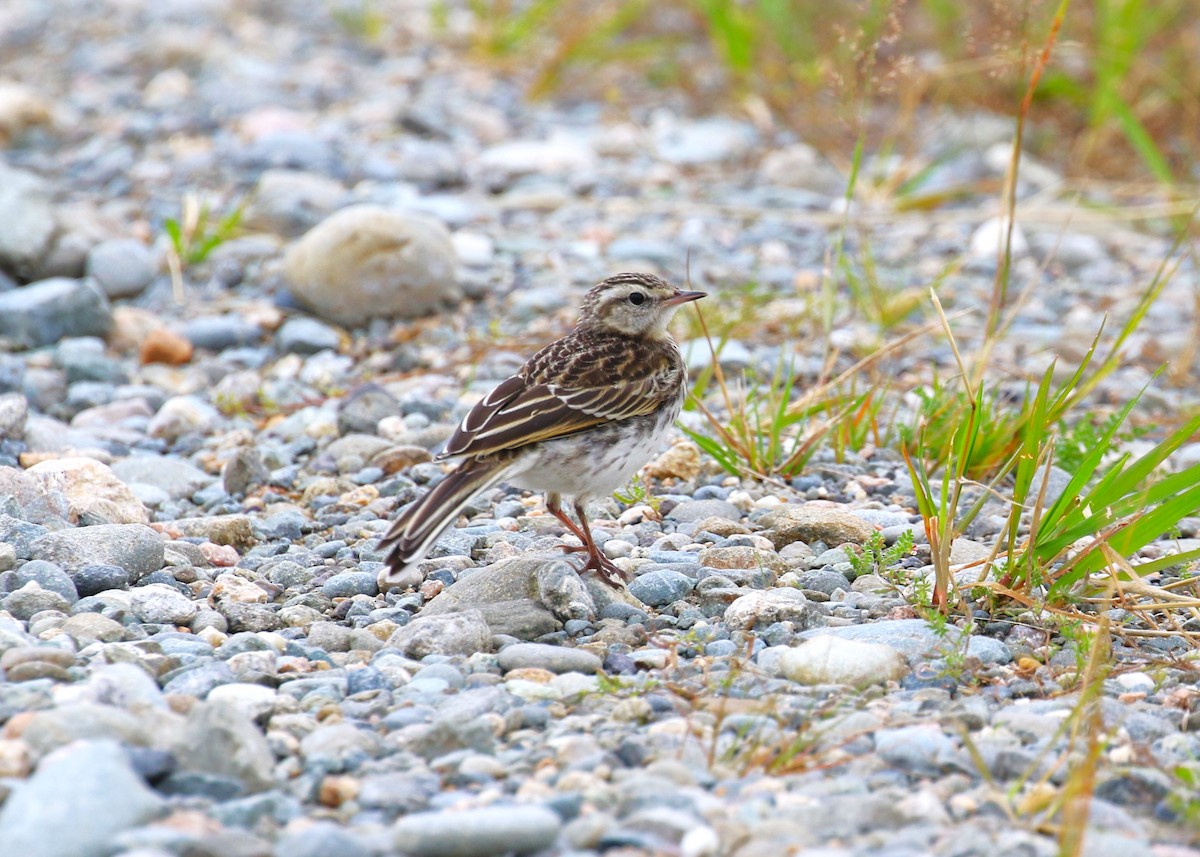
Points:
(195, 234)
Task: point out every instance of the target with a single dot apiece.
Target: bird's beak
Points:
(682, 297)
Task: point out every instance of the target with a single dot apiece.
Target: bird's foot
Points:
(607, 570)
(572, 548)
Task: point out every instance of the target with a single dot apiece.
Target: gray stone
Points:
(219, 738)
(661, 586)
(306, 336)
(94, 578)
(162, 605)
(460, 633)
(83, 358)
(366, 262)
(924, 750)
(557, 659)
(329, 636)
(405, 792)
(825, 660)
(482, 832)
(362, 409)
(46, 574)
(122, 267)
(243, 471)
(83, 721)
(218, 332)
(249, 617)
(322, 839)
(31, 599)
(44, 312)
(178, 478)
(338, 746)
(350, 583)
(517, 597)
(14, 411)
(290, 202)
(30, 222)
(134, 547)
(824, 580)
(77, 801)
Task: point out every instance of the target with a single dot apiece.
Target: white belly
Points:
(596, 462)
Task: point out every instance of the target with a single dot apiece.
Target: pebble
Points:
(557, 659)
(25, 204)
(46, 311)
(121, 267)
(477, 832)
(661, 586)
(306, 336)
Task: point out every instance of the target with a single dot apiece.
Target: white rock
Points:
(828, 660)
(772, 605)
(988, 240)
(366, 262)
(254, 700)
(160, 604)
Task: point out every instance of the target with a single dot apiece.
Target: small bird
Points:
(578, 419)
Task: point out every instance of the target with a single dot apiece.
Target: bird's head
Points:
(633, 305)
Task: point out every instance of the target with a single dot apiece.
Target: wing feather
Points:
(566, 388)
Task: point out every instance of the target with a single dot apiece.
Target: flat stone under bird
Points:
(578, 419)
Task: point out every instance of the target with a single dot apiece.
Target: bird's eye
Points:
(637, 298)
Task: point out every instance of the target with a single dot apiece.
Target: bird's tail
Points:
(421, 522)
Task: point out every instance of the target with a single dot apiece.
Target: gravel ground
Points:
(194, 655)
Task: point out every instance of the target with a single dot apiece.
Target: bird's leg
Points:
(598, 562)
(554, 507)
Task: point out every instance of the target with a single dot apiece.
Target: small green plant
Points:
(875, 557)
(637, 493)
(194, 235)
(198, 231)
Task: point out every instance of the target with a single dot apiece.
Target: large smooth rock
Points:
(827, 660)
(477, 832)
(92, 490)
(77, 801)
(557, 659)
(524, 597)
(813, 523)
(917, 640)
(367, 262)
(134, 547)
(44, 312)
